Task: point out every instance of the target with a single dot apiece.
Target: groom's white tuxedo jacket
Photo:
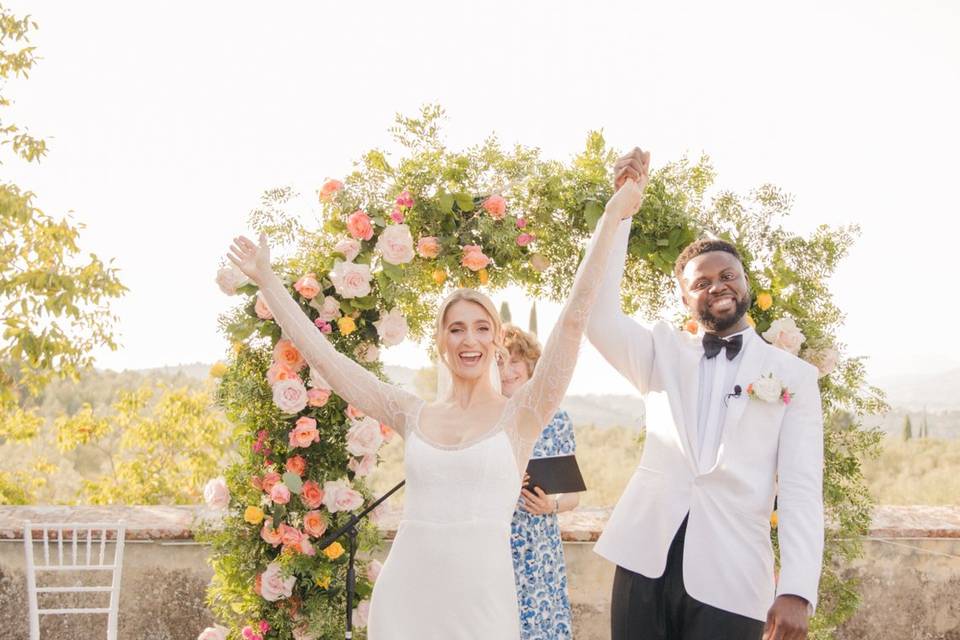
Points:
(766, 449)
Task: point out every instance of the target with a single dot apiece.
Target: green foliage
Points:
(558, 205)
(907, 428)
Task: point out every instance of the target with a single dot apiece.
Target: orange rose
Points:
(311, 495)
(496, 206)
(359, 225)
(296, 465)
(269, 480)
(314, 523)
(288, 355)
(279, 371)
(330, 189)
(270, 535)
(307, 286)
(428, 247)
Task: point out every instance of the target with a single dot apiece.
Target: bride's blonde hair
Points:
(470, 295)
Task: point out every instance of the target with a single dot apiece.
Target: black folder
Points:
(555, 474)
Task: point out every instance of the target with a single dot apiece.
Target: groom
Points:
(691, 534)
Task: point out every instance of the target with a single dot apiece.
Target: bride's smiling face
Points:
(468, 339)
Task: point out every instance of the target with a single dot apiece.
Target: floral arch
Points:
(393, 237)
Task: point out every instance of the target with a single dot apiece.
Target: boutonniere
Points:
(769, 389)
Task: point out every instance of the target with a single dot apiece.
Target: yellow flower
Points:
(253, 515)
(218, 370)
(764, 301)
(334, 551)
(439, 276)
(238, 347)
(484, 276)
(750, 321)
(324, 582)
(773, 519)
(347, 325)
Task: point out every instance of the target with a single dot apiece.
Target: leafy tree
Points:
(908, 428)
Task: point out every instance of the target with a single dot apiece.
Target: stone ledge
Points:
(176, 523)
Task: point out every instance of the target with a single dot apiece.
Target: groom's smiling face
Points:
(715, 291)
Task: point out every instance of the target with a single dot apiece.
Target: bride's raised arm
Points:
(539, 398)
(385, 402)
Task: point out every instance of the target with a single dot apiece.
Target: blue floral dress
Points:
(538, 563)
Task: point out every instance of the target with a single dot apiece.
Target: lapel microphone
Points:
(737, 390)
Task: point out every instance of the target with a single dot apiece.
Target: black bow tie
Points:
(713, 343)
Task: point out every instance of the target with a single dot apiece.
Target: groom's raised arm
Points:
(624, 343)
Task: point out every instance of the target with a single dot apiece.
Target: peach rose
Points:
(496, 206)
(318, 397)
(392, 327)
(329, 190)
(290, 396)
(311, 495)
(304, 433)
(364, 437)
(279, 371)
(353, 413)
(387, 432)
(349, 247)
(307, 286)
(289, 536)
(273, 586)
(270, 535)
(230, 278)
(359, 225)
(280, 494)
(362, 466)
(395, 244)
(261, 309)
(296, 465)
(351, 280)
(288, 354)
(314, 523)
(428, 247)
(216, 494)
(473, 258)
(269, 480)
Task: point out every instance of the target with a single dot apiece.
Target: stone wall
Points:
(910, 575)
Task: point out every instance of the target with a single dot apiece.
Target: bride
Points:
(449, 574)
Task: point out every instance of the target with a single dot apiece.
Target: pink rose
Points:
(325, 327)
(339, 496)
(288, 354)
(269, 480)
(496, 206)
(349, 247)
(373, 570)
(261, 309)
(359, 225)
(329, 190)
(405, 199)
(428, 247)
(289, 536)
(328, 310)
(270, 535)
(305, 547)
(318, 397)
(364, 437)
(314, 523)
(397, 215)
(521, 223)
(290, 395)
(361, 614)
(216, 632)
(473, 258)
(395, 244)
(216, 494)
(362, 466)
(296, 465)
(304, 433)
(273, 586)
(229, 278)
(311, 495)
(307, 286)
(351, 280)
(392, 328)
(524, 239)
(280, 494)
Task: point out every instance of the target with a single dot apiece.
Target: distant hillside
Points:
(936, 391)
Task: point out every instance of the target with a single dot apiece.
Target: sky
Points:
(167, 120)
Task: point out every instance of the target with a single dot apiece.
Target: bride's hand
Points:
(252, 259)
(627, 200)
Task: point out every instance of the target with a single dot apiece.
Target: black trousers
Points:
(645, 608)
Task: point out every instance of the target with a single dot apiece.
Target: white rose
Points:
(216, 494)
(395, 244)
(351, 280)
(363, 466)
(216, 632)
(785, 334)
(367, 352)
(229, 279)
(339, 496)
(825, 360)
(290, 395)
(349, 247)
(392, 328)
(274, 586)
(364, 436)
(328, 308)
(768, 389)
(360, 614)
(373, 570)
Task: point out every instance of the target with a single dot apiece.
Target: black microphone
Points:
(737, 390)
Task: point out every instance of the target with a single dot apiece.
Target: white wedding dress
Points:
(449, 574)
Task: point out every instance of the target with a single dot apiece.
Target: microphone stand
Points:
(350, 529)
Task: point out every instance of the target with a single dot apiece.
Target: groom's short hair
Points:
(699, 247)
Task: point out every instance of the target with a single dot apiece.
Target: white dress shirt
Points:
(717, 381)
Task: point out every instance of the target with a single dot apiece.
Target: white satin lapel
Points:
(689, 380)
(751, 368)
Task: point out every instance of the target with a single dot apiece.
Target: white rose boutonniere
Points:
(769, 389)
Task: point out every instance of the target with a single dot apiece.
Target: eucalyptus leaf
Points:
(293, 482)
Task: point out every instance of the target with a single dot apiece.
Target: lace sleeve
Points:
(385, 402)
(534, 404)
